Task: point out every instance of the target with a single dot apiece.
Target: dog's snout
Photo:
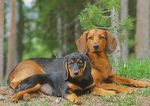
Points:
(76, 73)
(95, 46)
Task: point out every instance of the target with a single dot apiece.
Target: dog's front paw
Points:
(147, 84)
(102, 92)
(26, 97)
(141, 84)
(14, 99)
(111, 93)
(127, 90)
(73, 98)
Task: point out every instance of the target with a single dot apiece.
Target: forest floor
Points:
(141, 97)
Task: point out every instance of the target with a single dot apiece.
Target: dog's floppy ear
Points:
(87, 68)
(66, 70)
(111, 43)
(81, 43)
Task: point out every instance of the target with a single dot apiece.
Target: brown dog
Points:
(96, 44)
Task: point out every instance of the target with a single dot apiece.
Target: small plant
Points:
(43, 104)
(146, 93)
(26, 104)
(89, 104)
(86, 97)
(105, 99)
(68, 104)
(35, 104)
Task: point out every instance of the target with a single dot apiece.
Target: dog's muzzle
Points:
(95, 46)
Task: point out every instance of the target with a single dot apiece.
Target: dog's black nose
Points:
(95, 46)
(76, 73)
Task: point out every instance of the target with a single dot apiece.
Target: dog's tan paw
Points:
(73, 98)
(102, 92)
(141, 84)
(26, 97)
(14, 99)
(127, 90)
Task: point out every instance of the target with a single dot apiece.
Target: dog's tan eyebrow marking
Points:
(72, 61)
(78, 60)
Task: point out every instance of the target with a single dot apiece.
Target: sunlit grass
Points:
(123, 100)
(136, 70)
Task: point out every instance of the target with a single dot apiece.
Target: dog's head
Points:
(76, 66)
(96, 41)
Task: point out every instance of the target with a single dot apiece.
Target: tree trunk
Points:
(11, 45)
(59, 37)
(142, 29)
(77, 30)
(124, 14)
(65, 37)
(117, 53)
(1, 39)
(20, 31)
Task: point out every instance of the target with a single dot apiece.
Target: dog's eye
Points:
(70, 63)
(102, 37)
(90, 38)
(80, 62)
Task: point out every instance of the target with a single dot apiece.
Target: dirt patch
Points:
(141, 97)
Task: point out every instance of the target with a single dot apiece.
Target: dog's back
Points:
(49, 65)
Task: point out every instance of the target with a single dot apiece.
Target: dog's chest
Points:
(101, 66)
(80, 86)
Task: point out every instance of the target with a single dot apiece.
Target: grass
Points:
(86, 97)
(68, 104)
(123, 100)
(127, 99)
(135, 70)
(146, 93)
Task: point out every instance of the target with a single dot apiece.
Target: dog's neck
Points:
(101, 55)
(80, 78)
(99, 59)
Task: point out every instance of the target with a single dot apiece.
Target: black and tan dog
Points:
(73, 80)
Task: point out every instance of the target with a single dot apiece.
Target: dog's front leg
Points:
(128, 81)
(102, 92)
(113, 87)
(72, 97)
(68, 93)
